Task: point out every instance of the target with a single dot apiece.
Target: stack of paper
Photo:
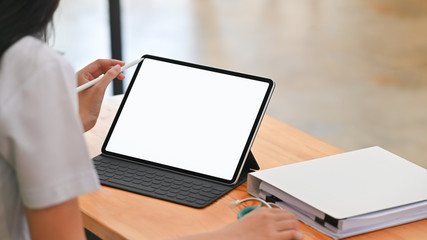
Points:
(347, 194)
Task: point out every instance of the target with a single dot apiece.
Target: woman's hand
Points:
(265, 223)
(259, 224)
(90, 99)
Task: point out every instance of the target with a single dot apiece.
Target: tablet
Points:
(187, 118)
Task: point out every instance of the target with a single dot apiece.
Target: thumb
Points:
(110, 75)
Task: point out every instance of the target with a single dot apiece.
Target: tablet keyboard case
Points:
(165, 184)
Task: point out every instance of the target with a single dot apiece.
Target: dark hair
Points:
(19, 18)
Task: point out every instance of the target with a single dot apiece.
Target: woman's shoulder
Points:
(30, 52)
(30, 61)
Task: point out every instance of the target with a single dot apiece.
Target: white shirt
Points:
(43, 156)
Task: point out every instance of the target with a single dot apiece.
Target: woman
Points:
(44, 163)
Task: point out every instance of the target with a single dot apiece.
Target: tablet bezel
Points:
(249, 141)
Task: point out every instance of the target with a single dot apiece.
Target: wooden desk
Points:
(116, 214)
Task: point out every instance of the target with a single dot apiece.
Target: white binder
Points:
(347, 194)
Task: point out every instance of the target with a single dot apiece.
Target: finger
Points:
(109, 76)
(115, 62)
(288, 215)
(282, 214)
(275, 213)
(287, 225)
(101, 66)
(293, 234)
(106, 64)
(121, 76)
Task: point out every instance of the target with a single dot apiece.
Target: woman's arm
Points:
(62, 221)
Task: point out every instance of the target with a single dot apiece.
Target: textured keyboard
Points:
(159, 183)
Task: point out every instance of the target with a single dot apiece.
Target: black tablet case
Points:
(165, 184)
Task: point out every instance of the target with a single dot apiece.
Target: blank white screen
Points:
(188, 118)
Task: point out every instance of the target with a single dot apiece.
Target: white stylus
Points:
(91, 83)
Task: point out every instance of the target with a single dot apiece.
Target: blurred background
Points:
(352, 73)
